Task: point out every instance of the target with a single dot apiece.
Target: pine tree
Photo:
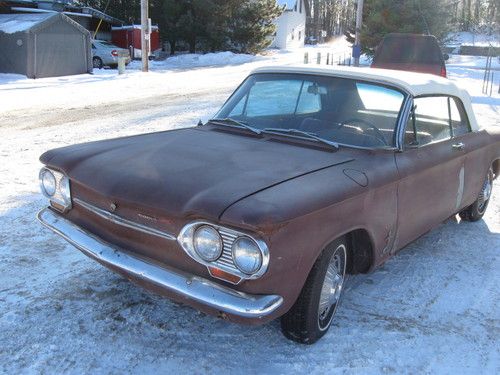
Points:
(381, 17)
(128, 11)
(239, 25)
(252, 25)
(167, 14)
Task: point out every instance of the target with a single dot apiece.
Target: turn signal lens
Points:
(223, 275)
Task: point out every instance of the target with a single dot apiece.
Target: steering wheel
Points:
(366, 125)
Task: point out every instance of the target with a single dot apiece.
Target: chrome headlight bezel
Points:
(46, 177)
(225, 261)
(61, 197)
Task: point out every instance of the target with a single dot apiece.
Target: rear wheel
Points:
(312, 314)
(477, 209)
(97, 63)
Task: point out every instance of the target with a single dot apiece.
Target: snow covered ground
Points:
(434, 308)
(474, 39)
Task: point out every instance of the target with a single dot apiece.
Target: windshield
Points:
(340, 110)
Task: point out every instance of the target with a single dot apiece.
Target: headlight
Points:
(56, 186)
(247, 255)
(207, 243)
(48, 183)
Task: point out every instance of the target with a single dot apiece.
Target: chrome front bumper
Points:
(195, 288)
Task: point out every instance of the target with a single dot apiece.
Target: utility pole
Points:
(145, 35)
(356, 52)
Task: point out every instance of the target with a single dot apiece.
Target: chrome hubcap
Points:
(485, 194)
(333, 283)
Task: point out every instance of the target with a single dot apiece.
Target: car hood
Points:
(189, 172)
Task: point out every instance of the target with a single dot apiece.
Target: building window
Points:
(300, 6)
(300, 35)
(293, 34)
(295, 7)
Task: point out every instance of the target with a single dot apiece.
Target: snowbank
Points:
(478, 62)
(193, 60)
(472, 39)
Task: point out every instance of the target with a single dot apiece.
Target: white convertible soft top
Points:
(416, 84)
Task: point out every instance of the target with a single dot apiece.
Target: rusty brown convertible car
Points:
(304, 175)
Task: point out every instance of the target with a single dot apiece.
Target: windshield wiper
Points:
(228, 121)
(301, 133)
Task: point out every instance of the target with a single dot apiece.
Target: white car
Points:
(106, 54)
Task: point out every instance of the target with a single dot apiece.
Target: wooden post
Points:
(145, 35)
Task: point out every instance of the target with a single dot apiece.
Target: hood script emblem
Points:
(147, 217)
(112, 207)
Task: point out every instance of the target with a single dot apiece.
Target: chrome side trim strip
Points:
(402, 122)
(123, 222)
(195, 288)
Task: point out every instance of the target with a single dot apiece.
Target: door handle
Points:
(458, 146)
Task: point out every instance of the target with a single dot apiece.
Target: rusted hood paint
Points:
(188, 172)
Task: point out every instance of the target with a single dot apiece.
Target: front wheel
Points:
(477, 209)
(312, 314)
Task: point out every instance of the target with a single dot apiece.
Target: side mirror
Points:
(446, 57)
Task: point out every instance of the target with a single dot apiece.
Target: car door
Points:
(473, 144)
(431, 169)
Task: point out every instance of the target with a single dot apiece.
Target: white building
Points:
(291, 25)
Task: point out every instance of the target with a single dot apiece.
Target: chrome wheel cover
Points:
(485, 194)
(332, 287)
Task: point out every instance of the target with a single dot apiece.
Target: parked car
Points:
(106, 54)
(304, 175)
(410, 52)
(311, 40)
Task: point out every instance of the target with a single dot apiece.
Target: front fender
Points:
(299, 218)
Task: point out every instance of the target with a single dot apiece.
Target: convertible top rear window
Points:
(346, 111)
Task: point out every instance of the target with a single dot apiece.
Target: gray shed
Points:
(43, 45)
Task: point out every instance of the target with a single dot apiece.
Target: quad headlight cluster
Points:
(56, 187)
(224, 251)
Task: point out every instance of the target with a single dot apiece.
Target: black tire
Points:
(97, 63)
(477, 209)
(304, 323)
